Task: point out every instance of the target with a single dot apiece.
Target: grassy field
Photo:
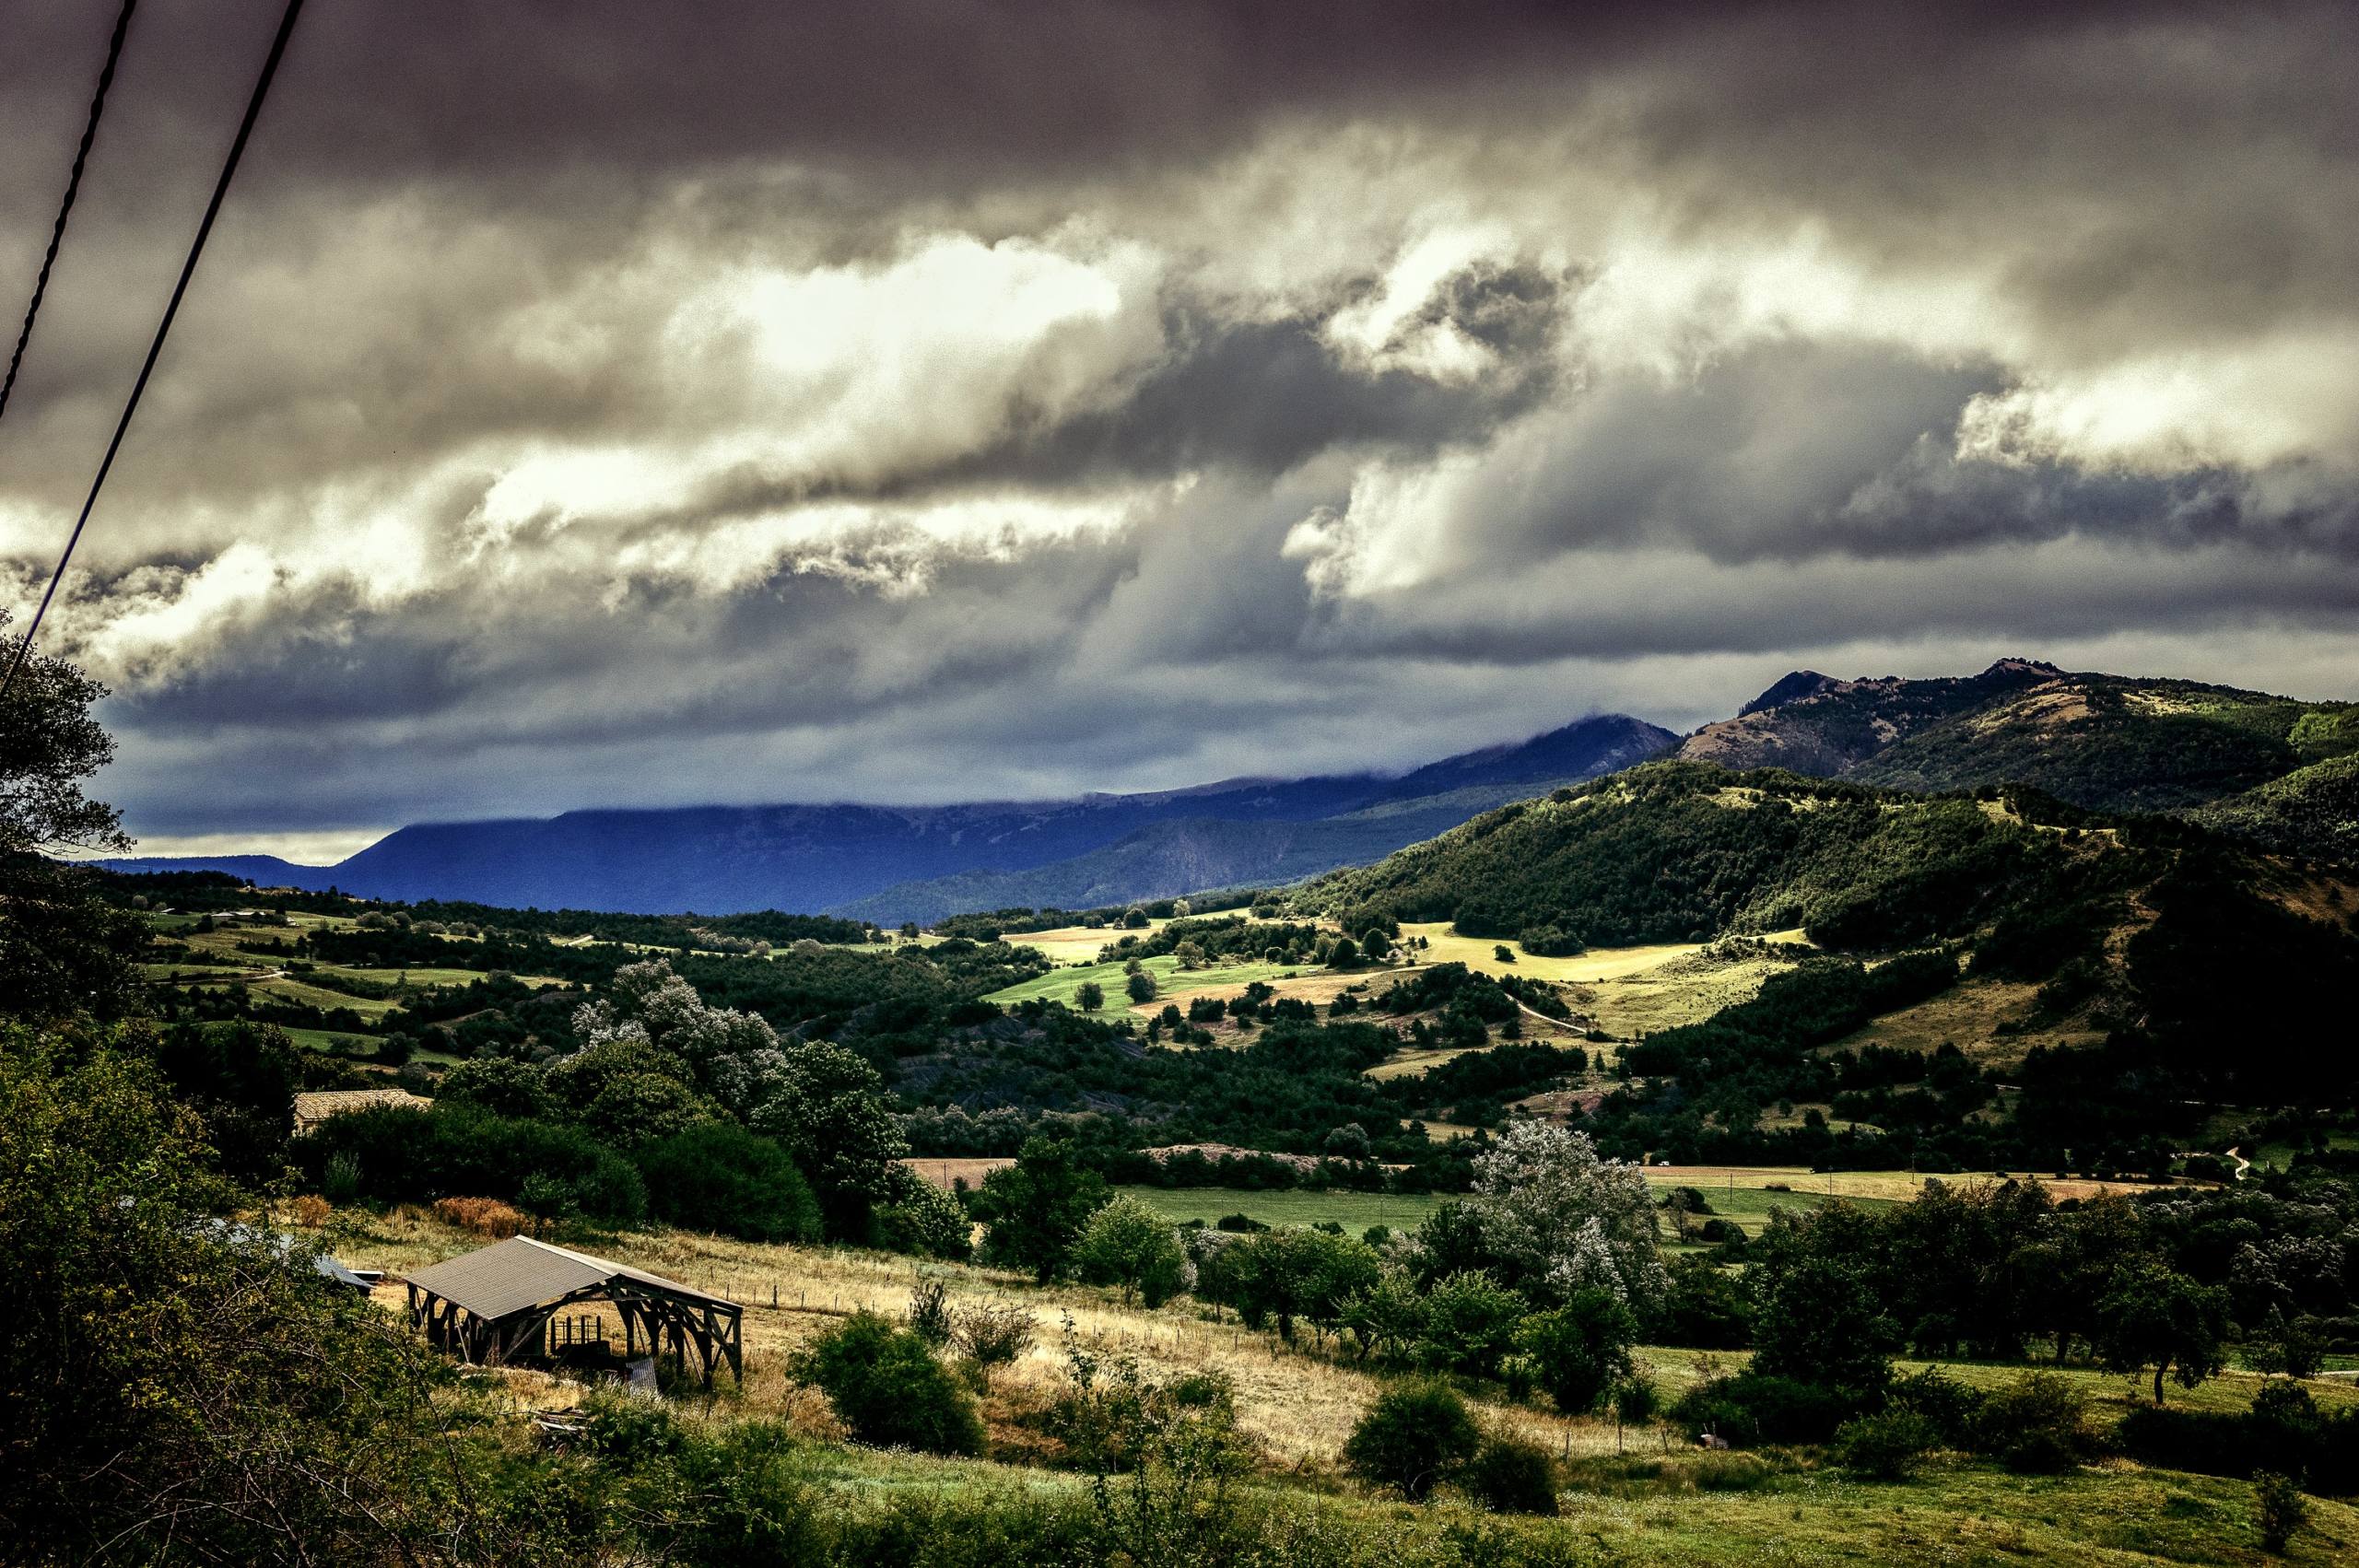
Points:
(1636, 1497)
(1356, 1211)
(1062, 985)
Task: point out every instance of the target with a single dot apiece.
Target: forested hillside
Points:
(2105, 742)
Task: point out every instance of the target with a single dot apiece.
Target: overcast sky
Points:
(616, 403)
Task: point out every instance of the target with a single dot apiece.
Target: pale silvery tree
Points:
(1566, 1218)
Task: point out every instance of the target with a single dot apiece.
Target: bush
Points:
(717, 1176)
(2281, 1506)
(2037, 1425)
(1471, 1322)
(1949, 1405)
(923, 1220)
(1754, 1408)
(993, 1332)
(930, 1312)
(1512, 1474)
(1416, 1435)
(398, 1154)
(1887, 1446)
(884, 1384)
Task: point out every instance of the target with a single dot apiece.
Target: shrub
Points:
(1886, 1445)
(993, 1332)
(1416, 1435)
(1512, 1474)
(930, 1312)
(2037, 1425)
(484, 1217)
(1950, 1406)
(311, 1211)
(884, 1384)
(1754, 1408)
(717, 1176)
(2281, 1506)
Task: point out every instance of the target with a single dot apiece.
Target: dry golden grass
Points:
(946, 1173)
(1298, 1403)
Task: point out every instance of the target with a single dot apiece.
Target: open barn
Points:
(494, 1308)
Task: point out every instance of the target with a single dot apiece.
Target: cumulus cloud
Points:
(918, 401)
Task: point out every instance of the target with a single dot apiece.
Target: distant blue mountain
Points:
(892, 863)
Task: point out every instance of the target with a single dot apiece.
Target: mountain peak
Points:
(1790, 688)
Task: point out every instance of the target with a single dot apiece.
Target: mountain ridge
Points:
(725, 860)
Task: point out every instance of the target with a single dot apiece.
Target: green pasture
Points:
(1064, 985)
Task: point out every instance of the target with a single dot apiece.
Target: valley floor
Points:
(1638, 1496)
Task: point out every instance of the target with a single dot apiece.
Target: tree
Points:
(828, 1108)
(1561, 1218)
(1414, 1436)
(1036, 1208)
(1134, 918)
(1821, 1318)
(1128, 1244)
(64, 949)
(182, 1388)
(1344, 954)
(628, 1092)
(1141, 986)
(1289, 1273)
(1580, 1351)
(2156, 1316)
(1089, 995)
(1471, 1322)
(715, 1175)
(1503, 953)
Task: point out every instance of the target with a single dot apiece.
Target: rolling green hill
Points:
(1682, 851)
(2311, 812)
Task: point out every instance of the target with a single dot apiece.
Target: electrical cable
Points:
(188, 270)
(72, 187)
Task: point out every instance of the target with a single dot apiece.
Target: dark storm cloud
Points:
(926, 398)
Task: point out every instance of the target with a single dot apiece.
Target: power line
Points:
(72, 187)
(163, 328)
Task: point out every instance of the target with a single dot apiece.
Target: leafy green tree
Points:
(64, 949)
(1470, 1324)
(180, 1388)
(1128, 1244)
(2155, 1316)
(1580, 1350)
(1821, 1317)
(920, 1217)
(1290, 1273)
(1089, 995)
(629, 1092)
(1141, 987)
(715, 1175)
(1387, 1316)
(828, 1108)
(1034, 1209)
(1416, 1435)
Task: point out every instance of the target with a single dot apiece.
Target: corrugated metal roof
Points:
(511, 1275)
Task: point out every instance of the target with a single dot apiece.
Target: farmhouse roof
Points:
(316, 1105)
(520, 1272)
